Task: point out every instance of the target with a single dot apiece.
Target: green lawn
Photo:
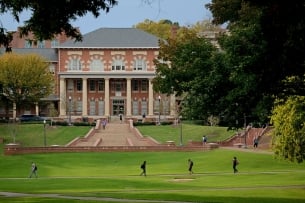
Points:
(192, 132)
(33, 134)
(261, 178)
(98, 176)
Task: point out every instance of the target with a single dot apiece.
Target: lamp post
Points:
(44, 133)
(70, 100)
(180, 119)
(246, 130)
(159, 109)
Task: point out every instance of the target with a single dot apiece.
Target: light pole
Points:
(159, 109)
(44, 133)
(180, 119)
(246, 130)
(70, 100)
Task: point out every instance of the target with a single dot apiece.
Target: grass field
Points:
(33, 134)
(114, 177)
(189, 132)
(97, 176)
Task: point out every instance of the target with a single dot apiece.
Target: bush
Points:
(83, 124)
(144, 124)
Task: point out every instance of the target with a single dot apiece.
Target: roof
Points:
(48, 53)
(115, 38)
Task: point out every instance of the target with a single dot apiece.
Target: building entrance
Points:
(118, 107)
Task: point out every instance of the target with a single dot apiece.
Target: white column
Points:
(62, 97)
(107, 112)
(84, 99)
(150, 98)
(36, 109)
(14, 110)
(128, 105)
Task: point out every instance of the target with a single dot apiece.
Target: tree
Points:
(281, 32)
(288, 118)
(162, 29)
(24, 78)
(52, 17)
(186, 66)
(252, 88)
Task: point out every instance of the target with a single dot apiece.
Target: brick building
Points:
(107, 74)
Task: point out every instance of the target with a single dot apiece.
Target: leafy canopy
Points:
(52, 17)
(288, 118)
(24, 78)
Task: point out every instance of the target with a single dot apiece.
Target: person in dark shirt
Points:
(143, 167)
(33, 170)
(235, 163)
(191, 164)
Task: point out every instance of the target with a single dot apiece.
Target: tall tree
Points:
(52, 17)
(288, 135)
(276, 64)
(282, 33)
(24, 78)
(185, 66)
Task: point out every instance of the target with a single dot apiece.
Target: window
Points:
(27, 44)
(118, 65)
(144, 107)
(74, 65)
(101, 85)
(79, 85)
(144, 85)
(52, 69)
(92, 107)
(139, 65)
(70, 85)
(135, 85)
(54, 43)
(96, 65)
(41, 44)
(91, 85)
(135, 108)
(118, 86)
(79, 107)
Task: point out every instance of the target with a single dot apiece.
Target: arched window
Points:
(139, 65)
(96, 65)
(118, 65)
(75, 65)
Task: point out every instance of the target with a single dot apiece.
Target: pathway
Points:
(116, 134)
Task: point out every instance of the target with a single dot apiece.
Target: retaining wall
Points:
(16, 149)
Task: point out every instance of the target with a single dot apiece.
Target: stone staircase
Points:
(239, 139)
(115, 134)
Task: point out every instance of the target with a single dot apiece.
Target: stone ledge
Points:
(17, 149)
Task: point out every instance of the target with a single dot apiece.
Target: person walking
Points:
(121, 117)
(33, 170)
(204, 140)
(255, 142)
(191, 164)
(235, 163)
(143, 167)
(104, 123)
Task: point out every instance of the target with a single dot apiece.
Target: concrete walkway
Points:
(116, 134)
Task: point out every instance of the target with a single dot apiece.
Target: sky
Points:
(131, 12)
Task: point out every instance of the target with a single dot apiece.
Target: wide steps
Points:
(115, 134)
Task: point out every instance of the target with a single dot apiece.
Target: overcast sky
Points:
(130, 12)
